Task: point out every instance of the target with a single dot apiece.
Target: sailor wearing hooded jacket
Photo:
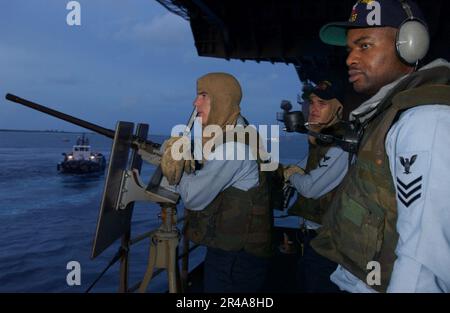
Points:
(388, 226)
(227, 199)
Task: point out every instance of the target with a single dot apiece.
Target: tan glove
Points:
(289, 170)
(173, 163)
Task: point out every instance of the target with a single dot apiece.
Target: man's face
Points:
(203, 105)
(320, 110)
(372, 59)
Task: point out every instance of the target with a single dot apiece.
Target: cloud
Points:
(162, 31)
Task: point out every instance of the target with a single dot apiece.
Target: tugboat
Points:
(81, 160)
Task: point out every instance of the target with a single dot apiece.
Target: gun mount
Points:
(124, 186)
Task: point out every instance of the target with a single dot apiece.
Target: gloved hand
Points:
(289, 170)
(172, 162)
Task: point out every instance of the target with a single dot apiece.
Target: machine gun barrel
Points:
(71, 119)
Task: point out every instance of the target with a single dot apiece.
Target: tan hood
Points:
(225, 94)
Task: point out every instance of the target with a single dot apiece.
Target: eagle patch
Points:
(410, 176)
(324, 161)
(407, 163)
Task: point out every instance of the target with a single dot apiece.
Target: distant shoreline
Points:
(44, 131)
(56, 132)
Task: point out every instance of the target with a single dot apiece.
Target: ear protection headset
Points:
(413, 39)
(412, 43)
(348, 141)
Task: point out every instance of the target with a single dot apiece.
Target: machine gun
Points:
(148, 150)
(123, 187)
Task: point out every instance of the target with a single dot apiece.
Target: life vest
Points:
(360, 225)
(314, 209)
(308, 208)
(235, 220)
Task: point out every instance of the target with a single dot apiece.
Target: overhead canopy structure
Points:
(285, 30)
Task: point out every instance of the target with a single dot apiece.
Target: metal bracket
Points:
(149, 154)
(132, 190)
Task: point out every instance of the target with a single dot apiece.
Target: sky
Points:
(128, 60)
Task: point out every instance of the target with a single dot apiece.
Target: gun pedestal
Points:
(163, 241)
(163, 249)
(123, 187)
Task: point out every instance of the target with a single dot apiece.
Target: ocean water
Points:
(48, 219)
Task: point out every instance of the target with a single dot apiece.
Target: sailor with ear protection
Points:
(326, 166)
(387, 227)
